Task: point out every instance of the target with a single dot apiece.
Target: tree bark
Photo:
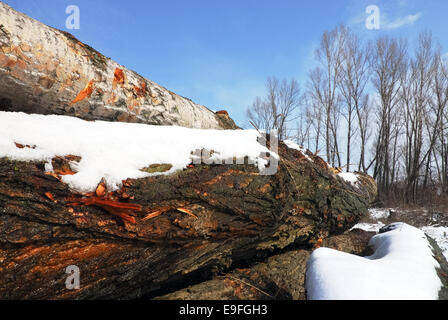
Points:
(271, 279)
(154, 235)
(236, 217)
(48, 71)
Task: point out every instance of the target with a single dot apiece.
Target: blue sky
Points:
(219, 53)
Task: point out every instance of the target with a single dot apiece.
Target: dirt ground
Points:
(419, 217)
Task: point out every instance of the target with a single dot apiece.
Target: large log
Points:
(281, 276)
(232, 217)
(45, 70)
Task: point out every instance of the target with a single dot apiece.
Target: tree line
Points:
(374, 106)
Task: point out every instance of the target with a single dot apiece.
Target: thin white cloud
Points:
(400, 22)
(393, 15)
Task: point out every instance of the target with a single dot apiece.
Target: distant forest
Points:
(372, 106)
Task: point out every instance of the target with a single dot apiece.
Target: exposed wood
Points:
(281, 276)
(45, 70)
(229, 216)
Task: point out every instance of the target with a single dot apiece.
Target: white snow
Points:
(440, 235)
(375, 227)
(293, 145)
(379, 213)
(349, 177)
(375, 214)
(115, 150)
(402, 267)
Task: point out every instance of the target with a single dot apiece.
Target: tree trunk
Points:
(269, 279)
(45, 70)
(158, 234)
(230, 216)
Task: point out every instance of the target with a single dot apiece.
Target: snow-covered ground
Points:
(435, 231)
(402, 267)
(371, 227)
(440, 235)
(117, 151)
(379, 213)
(375, 214)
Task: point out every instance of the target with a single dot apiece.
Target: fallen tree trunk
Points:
(280, 277)
(48, 71)
(155, 235)
(230, 217)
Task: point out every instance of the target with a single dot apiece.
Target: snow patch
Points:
(116, 150)
(375, 214)
(440, 235)
(402, 267)
(293, 145)
(379, 213)
(371, 227)
(348, 177)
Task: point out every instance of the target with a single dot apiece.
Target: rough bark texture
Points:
(135, 242)
(281, 276)
(45, 70)
(354, 242)
(442, 272)
(242, 218)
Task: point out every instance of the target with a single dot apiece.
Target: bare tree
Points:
(289, 103)
(303, 130)
(260, 114)
(387, 63)
(278, 108)
(393, 102)
(363, 115)
(438, 105)
(323, 86)
(422, 121)
(314, 117)
(352, 81)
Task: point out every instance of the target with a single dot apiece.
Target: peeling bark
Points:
(280, 277)
(238, 217)
(45, 70)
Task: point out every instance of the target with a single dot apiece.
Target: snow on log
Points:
(360, 181)
(45, 70)
(150, 235)
(402, 267)
(349, 177)
(116, 151)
